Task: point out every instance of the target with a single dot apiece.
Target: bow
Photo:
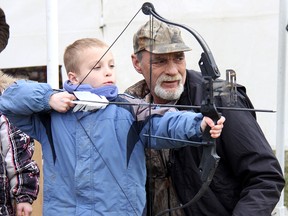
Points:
(210, 72)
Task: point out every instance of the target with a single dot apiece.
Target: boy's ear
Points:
(73, 77)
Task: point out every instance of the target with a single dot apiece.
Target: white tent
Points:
(243, 35)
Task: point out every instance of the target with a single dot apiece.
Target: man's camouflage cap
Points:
(163, 38)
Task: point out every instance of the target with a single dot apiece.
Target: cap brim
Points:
(168, 48)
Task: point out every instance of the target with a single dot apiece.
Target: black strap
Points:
(45, 118)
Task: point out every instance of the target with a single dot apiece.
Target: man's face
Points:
(168, 74)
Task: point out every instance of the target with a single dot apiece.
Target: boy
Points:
(95, 163)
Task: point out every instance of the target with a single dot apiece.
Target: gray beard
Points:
(169, 95)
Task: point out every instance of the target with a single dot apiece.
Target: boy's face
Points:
(102, 74)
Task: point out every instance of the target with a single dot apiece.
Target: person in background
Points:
(4, 31)
(19, 174)
(94, 161)
(248, 180)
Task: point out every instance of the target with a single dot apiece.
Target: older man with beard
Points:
(248, 180)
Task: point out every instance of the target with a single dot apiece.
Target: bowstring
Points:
(149, 170)
(108, 48)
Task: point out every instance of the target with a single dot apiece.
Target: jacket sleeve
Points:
(252, 161)
(4, 31)
(29, 96)
(23, 99)
(23, 173)
(183, 126)
(166, 122)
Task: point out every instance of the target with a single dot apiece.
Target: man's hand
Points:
(24, 209)
(61, 101)
(215, 130)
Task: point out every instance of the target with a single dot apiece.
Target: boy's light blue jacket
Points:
(99, 168)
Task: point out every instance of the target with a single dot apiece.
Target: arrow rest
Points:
(226, 89)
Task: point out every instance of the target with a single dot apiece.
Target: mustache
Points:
(165, 78)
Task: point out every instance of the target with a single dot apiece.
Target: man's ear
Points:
(73, 77)
(136, 63)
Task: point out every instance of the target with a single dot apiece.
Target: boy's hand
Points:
(24, 209)
(215, 130)
(61, 101)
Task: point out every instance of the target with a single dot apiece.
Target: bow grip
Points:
(210, 159)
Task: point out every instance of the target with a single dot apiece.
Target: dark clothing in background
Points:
(4, 31)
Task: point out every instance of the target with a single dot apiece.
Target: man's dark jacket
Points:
(248, 180)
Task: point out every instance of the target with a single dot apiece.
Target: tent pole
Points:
(52, 43)
(281, 91)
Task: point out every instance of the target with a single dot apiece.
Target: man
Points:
(248, 180)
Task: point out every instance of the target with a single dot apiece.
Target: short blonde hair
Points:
(71, 54)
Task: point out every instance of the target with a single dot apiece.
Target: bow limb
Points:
(210, 72)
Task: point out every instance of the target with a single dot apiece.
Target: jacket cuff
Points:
(47, 97)
(24, 198)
